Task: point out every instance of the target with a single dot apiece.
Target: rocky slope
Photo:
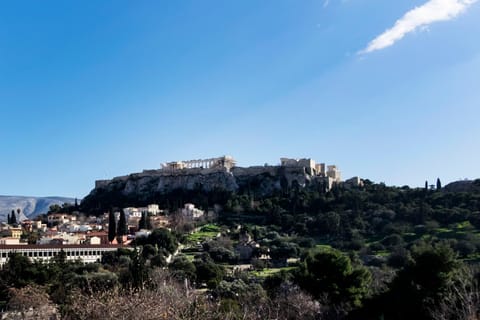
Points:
(463, 186)
(156, 186)
(30, 206)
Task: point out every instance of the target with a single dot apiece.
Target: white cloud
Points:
(419, 18)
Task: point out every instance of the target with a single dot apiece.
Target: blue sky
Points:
(387, 90)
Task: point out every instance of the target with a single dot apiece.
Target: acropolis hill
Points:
(207, 175)
(226, 164)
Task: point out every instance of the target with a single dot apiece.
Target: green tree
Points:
(182, 268)
(111, 226)
(54, 208)
(162, 238)
(208, 271)
(158, 261)
(13, 218)
(122, 224)
(18, 270)
(439, 184)
(422, 285)
(138, 271)
(142, 224)
(148, 251)
(331, 273)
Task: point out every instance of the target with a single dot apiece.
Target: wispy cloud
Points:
(419, 18)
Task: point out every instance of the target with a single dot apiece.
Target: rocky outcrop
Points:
(157, 185)
(463, 186)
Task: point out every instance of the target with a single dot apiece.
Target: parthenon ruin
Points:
(226, 162)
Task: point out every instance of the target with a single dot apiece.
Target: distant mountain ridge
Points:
(30, 206)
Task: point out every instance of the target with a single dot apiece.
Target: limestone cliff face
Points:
(167, 183)
(158, 185)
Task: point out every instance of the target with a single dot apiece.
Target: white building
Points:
(190, 211)
(60, 218)
(132, 212)
(142, 233)
(84, 253)
(9, 241)
(151, 210)
(63, 238)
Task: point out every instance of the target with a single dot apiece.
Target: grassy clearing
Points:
(473, 258)
(382, 253)
(206, 232)
(267, 272)
(201, 236)
(210, 228)
(190, 257)
(465, 225)
(411, 236)
(323, 246)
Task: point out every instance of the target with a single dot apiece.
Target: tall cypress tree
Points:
(13, 219)
(147, 222)
(142, 224)
(426, 185)
(439, 184)
(112, 226)
(122, 224)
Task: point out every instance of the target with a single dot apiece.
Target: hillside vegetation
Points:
(373, 252)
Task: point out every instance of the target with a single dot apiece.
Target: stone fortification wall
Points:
(101, 183)
(254, 170)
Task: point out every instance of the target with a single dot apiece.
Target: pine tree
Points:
(439, 184)
(122, 224)
(112, 226)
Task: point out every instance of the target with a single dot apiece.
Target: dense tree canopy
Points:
(331, 273)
